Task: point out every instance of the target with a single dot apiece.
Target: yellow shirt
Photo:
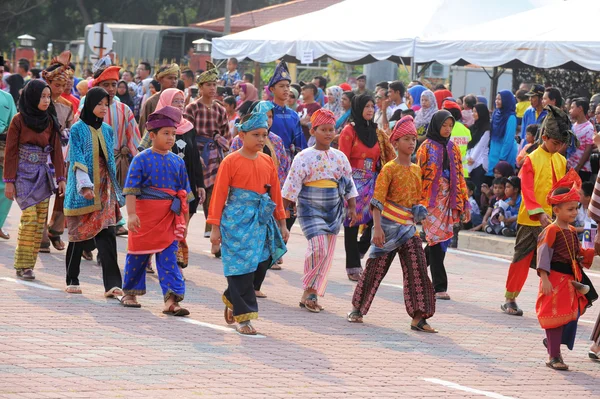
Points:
(539, 173)
(522, 107)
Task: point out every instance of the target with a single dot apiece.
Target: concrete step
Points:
(494, 245)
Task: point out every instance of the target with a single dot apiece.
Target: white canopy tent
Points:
(362, 31)
(546, 37)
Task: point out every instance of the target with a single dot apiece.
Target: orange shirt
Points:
(248, 174)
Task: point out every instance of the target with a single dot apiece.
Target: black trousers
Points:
(355, 247)
(240, 292)
(435, 258)
(477, 176)
(106, 242)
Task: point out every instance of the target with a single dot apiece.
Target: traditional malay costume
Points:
(152, 102)
(32, 136)
(397, 196)
(162, 189)
(320, 182)
(560, 254)
(91, 222)
(246, 202)
(540, 171)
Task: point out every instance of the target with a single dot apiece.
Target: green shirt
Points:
(7, 110)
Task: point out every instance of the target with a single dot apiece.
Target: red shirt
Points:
(356, 151)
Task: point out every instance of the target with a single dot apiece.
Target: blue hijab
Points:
(482, 99)
(415, 93)
(500, 116)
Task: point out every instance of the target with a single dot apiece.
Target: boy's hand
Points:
(133, 223)
(61, 188)
(545, 220)
(285, 234)
(9, 191)
(201, 195)
(352, 216)
(485, 189)
(215, 235)
(546, 287)
(378, 236)
(87, 193)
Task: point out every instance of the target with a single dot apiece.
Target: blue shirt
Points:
(286, 124)
(530, 119)
(504, 148)
(151, 169)
(230, 78)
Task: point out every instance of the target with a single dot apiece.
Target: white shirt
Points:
(479, 153)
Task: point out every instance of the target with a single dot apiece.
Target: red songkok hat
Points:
(346, 87)
(322, 117)
(571, 181)
(110, 73)
(404, 127)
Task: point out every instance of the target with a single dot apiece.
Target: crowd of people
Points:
(396, 168)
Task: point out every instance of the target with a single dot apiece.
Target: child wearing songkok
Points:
(246, 202)
(320, 182)
(565, 291)
(157, 191)
(396, 211)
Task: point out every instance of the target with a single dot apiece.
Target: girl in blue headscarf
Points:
(503, 146)
(415, 92)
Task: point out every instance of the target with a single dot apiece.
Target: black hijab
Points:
(365, 130)
(34, 118)
(15, 83)
(434, 132)
(93, 98)
(126, 98)
(481, 125)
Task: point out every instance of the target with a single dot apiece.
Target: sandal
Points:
(44, 248)
(315, 308)
(511, 308)
(179, 312)
(422, 326)
(442, 295)
(593, 355)
(245, 329)
(354, 276)
(114, 292)
(121, 231)
(26, 274)
(4, 234)
(259, 294)
(73, 289)
(228, 314)
(557, 363)
(276, 266)
(354, 317)
(87, 255)
(57, 243)
(129, 301)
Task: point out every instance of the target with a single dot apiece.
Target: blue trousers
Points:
(169, 276)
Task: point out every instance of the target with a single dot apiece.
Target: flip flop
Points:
(354, 317)
(130, 303)
(179, 312)
(553, 364)
(228, 314)
(442, 296)
(421, 327)
(111, 293)
(73, 289)
(4, 234)
(240, 328)
(511, 305)
(260, 294)
(593, 355)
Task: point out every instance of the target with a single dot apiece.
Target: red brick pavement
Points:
(55, 345)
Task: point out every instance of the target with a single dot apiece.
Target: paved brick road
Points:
(55, 345)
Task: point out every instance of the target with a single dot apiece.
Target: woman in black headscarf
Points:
(123, 94)
(32, 136)
(479, 147)
(93, 195)
(15, 83)
(444, 193)
(367, 149)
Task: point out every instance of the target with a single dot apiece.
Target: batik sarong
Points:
(249, 234)
(364, 180)
(441, 218)
(34, 182)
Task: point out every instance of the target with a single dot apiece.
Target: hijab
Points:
(34, 118)
(250, 91)
(415, 93)
(93, 98)
(501, 115)
(166, 98)
(335, 106)
(365, 130)
(481, 125)
(125, 98)
(15, 83)
(424, 115)
(504, 169)
(482, 99)
(434, 132)
(441, 95)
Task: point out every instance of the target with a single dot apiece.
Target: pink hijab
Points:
(250, 91)
(166, 98)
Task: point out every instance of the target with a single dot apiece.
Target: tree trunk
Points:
(84, 13)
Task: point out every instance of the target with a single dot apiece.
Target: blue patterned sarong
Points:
(321, 210)
(249, 233)
(396, 234)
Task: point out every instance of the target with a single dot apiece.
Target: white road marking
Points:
(218, 328)
(476, 255)
(467, 389)
(29, 284)
(587, 321)
(393, 285)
